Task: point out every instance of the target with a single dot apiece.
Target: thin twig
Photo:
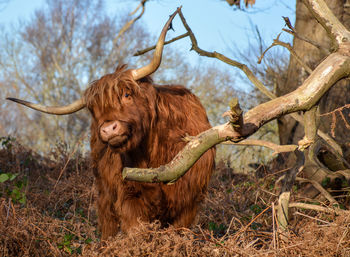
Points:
(336, 110)
(141, 52)
(344, 234)
(268, 192)
(90, 200)
(229, 227)
(277, 42)
(8, 209)
(307, 40)
(288, 23)
(65, 165)
(138, 7)
(256, 82)
(251, 243)
(47, 240)
(254, 219)
(320, 189)
(284, 248)
(225, 59)
(313, 218)
(318, 208)
(273, 225)
(210, 240)
(131, 22)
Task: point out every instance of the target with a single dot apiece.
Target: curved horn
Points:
(157, 57)
(58, 110)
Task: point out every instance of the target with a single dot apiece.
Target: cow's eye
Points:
(126, 95)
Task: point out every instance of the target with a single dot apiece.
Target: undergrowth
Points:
(47, 208)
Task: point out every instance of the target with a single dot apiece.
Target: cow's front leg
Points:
(132, 211)
(108, 219)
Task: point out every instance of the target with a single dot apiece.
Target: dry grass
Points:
(58, 217)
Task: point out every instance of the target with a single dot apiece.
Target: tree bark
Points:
(290, 131)
(331, 70)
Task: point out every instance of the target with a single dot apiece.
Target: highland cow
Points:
(138, 124)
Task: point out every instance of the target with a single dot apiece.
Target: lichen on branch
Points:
(333, 68)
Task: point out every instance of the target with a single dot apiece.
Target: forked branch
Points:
(250, 76)
(248, 73)
(225, 59)
(278, 42)
(295, 33)
(335, 67)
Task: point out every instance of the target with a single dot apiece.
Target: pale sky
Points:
(217, 26)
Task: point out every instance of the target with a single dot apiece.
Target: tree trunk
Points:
(290, 131)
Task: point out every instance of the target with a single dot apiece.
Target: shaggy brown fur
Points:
(152, 121)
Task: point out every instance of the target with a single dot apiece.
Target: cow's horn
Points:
(157, 57)
(58, 110)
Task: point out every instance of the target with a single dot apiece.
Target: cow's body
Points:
(137, 124)
(159, 117)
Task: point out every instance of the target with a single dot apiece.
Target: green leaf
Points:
(212, 226)
(23, 199)
(88, 241)
(78, 250)
(68, 249)
(68, 237)
(13, 176)
(16, 195)
(4, 177)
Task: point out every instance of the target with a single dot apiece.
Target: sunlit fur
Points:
(158, 118)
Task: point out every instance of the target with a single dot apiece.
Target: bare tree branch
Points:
(335, 67)
(251, 77)
(129, 23)
(141, 52)
(330, 141)
(310, 127)
(293, 32)
(311, 42)
(335, 29)
(288, 182)
(317, 208)
(277, 148)
(225, 59)
(323, 191)
(311, 121)
(277, 42)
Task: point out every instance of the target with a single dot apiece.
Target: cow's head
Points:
(120, 103)
(122, 108)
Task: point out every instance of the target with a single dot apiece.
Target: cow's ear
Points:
(146, 79)
(91, 110)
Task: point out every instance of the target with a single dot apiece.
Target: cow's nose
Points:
(108, 129)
